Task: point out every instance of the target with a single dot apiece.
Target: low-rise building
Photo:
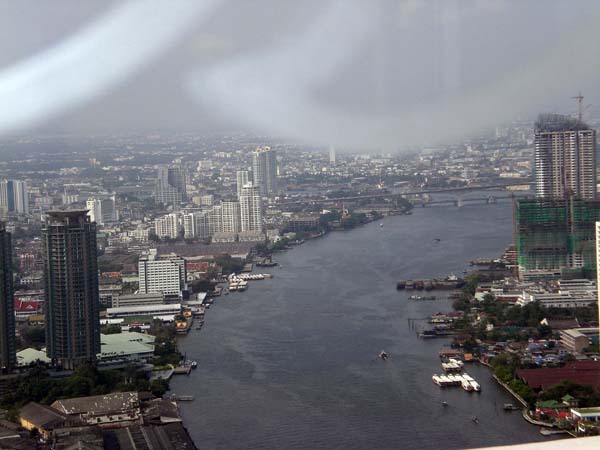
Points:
(138, 300)
(157, 311)
(120, 408)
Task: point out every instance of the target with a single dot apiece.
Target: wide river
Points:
(291, 363)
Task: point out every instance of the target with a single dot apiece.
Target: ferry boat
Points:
(466, 385)
(451, 367)
(242, 286)
(476, 386)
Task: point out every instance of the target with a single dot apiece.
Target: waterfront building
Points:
(264, 170)
(167, 226)
(231, 218)
(138, 299)
(251, 208)
(565, 158)
(553, 234)
(71, 287)
(161, 275)
(7, 315)
(170, 186)
(215, 220)
(165, 311)
(242, 178)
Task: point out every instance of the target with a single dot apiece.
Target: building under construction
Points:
(556, 234)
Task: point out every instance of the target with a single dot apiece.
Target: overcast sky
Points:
(379, 73)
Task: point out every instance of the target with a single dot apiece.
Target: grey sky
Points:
(386, 73)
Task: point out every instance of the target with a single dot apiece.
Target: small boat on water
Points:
(381, 225)
(510, 407)
(475, 419)
(383, 355)
(444, 403)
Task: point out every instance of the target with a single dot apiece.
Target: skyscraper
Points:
(7, 315)
(565, 158)
(250, 208)
(231, 218)
(331, 154)
(71, 286)
(14, 197)
(242, 178)
(167, 226)
(170, 186)
(264, 170)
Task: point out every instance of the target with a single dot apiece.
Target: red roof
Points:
(26, 306)
(581, 372)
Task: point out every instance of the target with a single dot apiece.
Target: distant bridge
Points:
(396, 192)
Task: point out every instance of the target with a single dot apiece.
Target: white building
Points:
(264, 170)
(164, 275)
(215, 220)
(251, 208)
(231, 218)
(167, 226)
(101, 210)
(242, 178)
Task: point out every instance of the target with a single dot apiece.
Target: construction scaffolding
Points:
(556, 234)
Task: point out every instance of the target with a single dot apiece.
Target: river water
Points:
(291, 363)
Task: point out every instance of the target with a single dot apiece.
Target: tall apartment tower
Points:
(251, 208)
(264, 170)
(71, 286)
(332, 154)
(565, 158)
(14, 197)
(242, 178)
(8, 359)
(231, 217)
(170, 186)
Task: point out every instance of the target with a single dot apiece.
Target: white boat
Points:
(456, 361)
(466, 385)
(468, 377)
(242, 285)
(436, 379)
(475, 385)
(233, 287)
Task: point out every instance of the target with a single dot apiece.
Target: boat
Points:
(510, 407)
(436, 379)
(381, 225)
(466, 385)
(444, 403)
(475, 419)
(383, 355)
(476, 386)
(428, 334)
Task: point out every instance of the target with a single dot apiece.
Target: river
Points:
(291, 363)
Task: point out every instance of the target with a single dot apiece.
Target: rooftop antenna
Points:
(579, 99)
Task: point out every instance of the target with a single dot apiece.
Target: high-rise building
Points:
(170, 186)
(7, 315)
(242, 178)
(250, 208)
(215, 219)
(231, 219)
(167, 226)
(565, 158)
(14, 197)
(164, 275)
(332, 154)
(21, 197)
(71, 287)
(264, 170)
(556, 234)
(598, 265)
(94, 207)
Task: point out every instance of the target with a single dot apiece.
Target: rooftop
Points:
(98, 404)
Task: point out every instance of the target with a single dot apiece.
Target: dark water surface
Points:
(291, 363)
